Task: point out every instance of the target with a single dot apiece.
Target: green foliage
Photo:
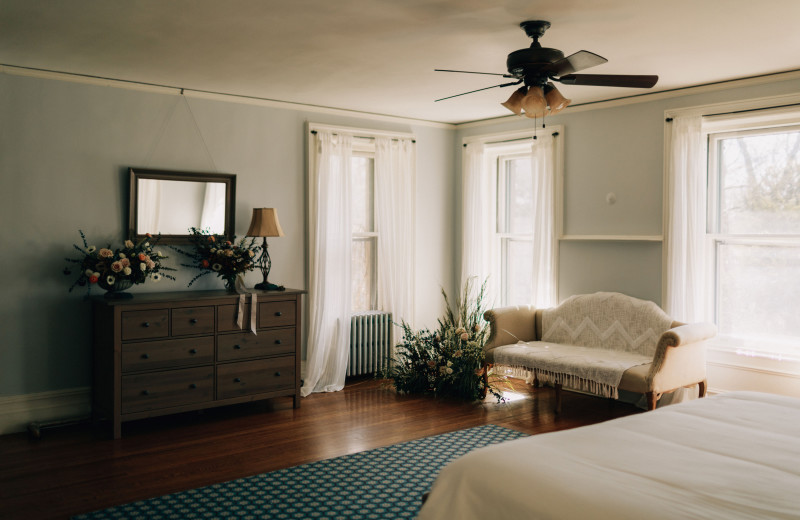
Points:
(450, 360)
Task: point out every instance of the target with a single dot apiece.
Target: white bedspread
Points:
(731, 456)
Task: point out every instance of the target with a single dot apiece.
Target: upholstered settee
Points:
(599, 343)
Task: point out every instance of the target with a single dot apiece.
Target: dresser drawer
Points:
(167, 389)
(226, 318)
(145, 324)
(169, 353)
(243, 345)
(276, 314)
(192, 320)
(255, 377)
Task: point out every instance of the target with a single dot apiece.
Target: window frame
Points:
(502, 236)
(363, 147)
(713, 134)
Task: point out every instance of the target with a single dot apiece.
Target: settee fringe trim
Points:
(566, 380)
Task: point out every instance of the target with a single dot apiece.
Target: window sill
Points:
(765, 362)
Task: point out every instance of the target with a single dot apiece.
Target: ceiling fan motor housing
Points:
(532, 62)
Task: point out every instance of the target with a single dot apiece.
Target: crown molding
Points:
(215, 96)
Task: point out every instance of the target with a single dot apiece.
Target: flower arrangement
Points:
(450, 360)
(118, 269)
(216, 254)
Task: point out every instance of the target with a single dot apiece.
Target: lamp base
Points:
(266, 286)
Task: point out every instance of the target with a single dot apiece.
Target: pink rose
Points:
(106, 253)
(125, 262)
(117, 267)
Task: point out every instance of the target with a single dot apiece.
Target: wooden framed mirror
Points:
(171, 202)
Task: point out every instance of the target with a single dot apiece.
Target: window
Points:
(753, 237)
(364, 253)
(515, 227)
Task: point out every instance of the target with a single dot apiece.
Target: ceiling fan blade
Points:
(574, 62)
(478, 90)
(471, 72)
(609, 80)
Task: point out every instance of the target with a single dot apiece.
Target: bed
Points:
(735, 455)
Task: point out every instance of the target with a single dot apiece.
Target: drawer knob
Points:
(193, 351)
(146, 324)
(277, 374)
(278, 342)
(237, 379)
(145, 392)
(145, 356)
(193, 321)
(279, 313)
(193, 386)
(237, 347)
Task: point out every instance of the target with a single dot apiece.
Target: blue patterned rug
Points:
(381, 484)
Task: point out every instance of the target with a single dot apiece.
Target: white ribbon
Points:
(243, 292)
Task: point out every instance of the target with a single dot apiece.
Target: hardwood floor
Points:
(79, 469)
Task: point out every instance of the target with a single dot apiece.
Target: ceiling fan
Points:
(537, 67)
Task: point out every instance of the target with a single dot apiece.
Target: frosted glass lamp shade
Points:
(514, 102)
(534, 103)
(264, 223)
(556, 101)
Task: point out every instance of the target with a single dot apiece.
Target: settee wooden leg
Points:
(485, 390)
(703, 387)
(557, 387)
(652, 398)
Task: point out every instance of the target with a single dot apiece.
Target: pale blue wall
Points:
(64, 152)
(619, 150)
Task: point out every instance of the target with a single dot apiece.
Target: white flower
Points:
(213, 250)
(110, 280)
(128, 244)
(88, 272)
(156, 277)
(91, 249)
(159, 254)
(147, 244)
(448, 370)
(143, 266)
(216, 267)
(449, 363)
(122, 255)
(96, 274)
(127, 271)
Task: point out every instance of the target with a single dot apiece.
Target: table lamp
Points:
(265, 224)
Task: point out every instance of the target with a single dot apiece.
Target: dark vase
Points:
(116, 290)
(230, 284)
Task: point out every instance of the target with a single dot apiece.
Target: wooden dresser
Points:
(164, 353)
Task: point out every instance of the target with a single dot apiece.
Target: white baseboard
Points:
(17, 411)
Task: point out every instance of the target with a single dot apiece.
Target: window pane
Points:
(519, 195)
(758, 288)
(760, 184)
(363, 262)
(362, 209)
(518, 271)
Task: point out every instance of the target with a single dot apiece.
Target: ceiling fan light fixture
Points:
(534, 103)
(514, 102)
(555, 99)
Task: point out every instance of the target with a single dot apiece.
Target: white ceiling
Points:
(378, 56)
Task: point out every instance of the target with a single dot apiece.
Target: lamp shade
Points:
(554, 98)
(264, 223)
(514, 102)
(534, 103)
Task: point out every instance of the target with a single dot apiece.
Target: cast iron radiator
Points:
(370, 342)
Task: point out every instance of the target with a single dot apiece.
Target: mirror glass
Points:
(169, 203)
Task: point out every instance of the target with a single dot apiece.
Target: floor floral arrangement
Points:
(118, 269)
(450, 360)
(215, 254)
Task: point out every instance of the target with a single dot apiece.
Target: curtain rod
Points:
(554, 134)
(669, 119)
(365, 136)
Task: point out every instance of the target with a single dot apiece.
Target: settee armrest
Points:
(508, 325)
(680, 357)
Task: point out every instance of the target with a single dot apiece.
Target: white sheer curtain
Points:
(395, 183)
(544, 227)
(212, 216)
(480, 258)
(685, 220)
(330, 249)
(148, 211)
